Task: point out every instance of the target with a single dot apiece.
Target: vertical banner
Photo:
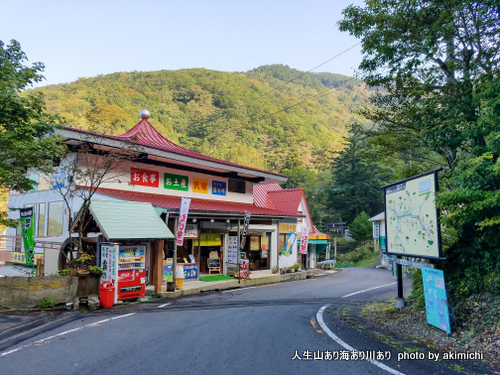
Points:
(292, 237)
(109, 265)
(27, 224)
(436, 301)
(328, 247)
(181, 226)
(245, 229)
(304, 238)
(376, 229)
(335, 248)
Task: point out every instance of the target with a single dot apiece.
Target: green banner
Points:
(27, 226)
(176, 182)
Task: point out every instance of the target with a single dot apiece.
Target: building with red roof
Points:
(159, 172)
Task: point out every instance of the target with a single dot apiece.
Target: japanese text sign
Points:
(109, 263)
(27, 224)
(181, 226)
(304, 237)
(218, 188)
(245, 228)
(200, 185)
(176, 182)
(144, 177)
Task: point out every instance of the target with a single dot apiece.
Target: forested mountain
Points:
(259, 118)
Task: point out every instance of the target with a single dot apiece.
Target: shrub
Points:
(47, 302)
(64, 272)
(417, 289)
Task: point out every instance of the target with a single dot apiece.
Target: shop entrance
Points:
(209, 246)
(257, 252)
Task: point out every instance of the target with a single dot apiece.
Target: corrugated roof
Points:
(287, 200)
(260, 196)
(204, 205)
(122, 220)
(145, 134)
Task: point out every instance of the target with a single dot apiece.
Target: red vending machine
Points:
(131, 271)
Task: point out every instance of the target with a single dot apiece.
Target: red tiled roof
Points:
(260, 196)
(205, 205)
(145, 134)
(286, 200)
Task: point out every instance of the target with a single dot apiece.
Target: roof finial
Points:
(144, 114)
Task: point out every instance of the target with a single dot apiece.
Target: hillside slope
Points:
(257, 118)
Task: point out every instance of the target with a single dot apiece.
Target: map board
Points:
(412, 220)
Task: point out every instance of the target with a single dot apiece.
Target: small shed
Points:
(128, 222)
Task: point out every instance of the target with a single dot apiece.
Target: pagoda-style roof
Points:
(158, 149)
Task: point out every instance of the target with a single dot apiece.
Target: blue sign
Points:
(287, 249)
(218, 188)
(168, 273)
(190, 271)
(436, 301)
(58, 178)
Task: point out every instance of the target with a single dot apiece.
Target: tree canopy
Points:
(438, 64)
(27, 131)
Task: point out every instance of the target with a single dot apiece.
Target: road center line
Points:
(334, 337)
(95, 324)
(366, 290)
(164, 305)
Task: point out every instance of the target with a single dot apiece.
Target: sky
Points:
(76, 39)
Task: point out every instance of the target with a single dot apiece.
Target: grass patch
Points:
(362, 257)
(215, 278)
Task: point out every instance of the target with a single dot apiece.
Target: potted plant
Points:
(296, 266)
(95, 270)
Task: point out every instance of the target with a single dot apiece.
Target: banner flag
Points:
(304, 238)
(181, 226)
(27, 224)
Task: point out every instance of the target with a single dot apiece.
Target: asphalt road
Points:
(292, 328)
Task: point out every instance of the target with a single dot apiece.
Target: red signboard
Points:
(144, 177)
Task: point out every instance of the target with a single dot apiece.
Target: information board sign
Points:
(412, 220)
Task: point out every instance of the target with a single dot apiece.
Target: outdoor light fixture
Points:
(194, 220)
(211, 220)
(228, 221)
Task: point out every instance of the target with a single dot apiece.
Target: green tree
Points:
(426, 55)
(361, 228)
(357, 180)
(27, 131)
(472, 201)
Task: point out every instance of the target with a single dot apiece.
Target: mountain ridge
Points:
(272, 117)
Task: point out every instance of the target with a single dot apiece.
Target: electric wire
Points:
(285, 83)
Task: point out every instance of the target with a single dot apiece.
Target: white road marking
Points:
(232, 290)
(366, 290)
(334, 337)
(62, 334)
(164, 305)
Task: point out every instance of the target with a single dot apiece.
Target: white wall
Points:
(121, 180)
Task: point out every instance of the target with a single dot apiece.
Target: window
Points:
(55, 226)
(236, 186)
(41, 219)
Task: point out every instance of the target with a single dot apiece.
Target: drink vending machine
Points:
(131, 271)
